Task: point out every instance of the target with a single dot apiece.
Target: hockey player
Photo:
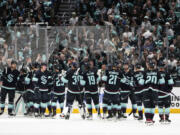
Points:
(111, 92)
(9, 81)
(73, 93)
(20, 91)
(164, 99)
(139, 79)
(41, 78)
(91, 88)
(50, 89)
(150, 91)
(58, 92)
(127, 90)
(30, 89)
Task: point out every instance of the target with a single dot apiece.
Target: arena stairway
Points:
(65, 10)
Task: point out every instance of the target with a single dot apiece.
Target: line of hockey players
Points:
(41, 89)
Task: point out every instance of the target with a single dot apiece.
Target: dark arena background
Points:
(81, 67)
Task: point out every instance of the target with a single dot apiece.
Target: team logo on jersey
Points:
(10, 78)
(43, 79)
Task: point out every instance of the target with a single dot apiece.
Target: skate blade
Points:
(149, 123)
(90, 119)
(140, 121)
(167, 123)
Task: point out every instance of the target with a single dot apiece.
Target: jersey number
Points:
(58, 83)
(91, 80)
(75, 78)
(113, 79)
(151, 79)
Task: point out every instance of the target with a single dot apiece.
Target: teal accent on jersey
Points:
(91, 92)
(29, 90)
(115, 106)
(64, 80)
(152, 110)
(53, 104)
(82, 82)
(89, 106)
(10, 106)
(123, 105)
(104, 105)
(109, 107)
(160, 110)
(34, 79)
(43, 105)
(119, 107)
(8, 88)
(167, 110)
(97, 106)
(74, 92)
(139, 108)
(43, 89)
(141, 82)
(162, 81)
(125, 91)
(153, 89)
(170, 82)
(30, 104)
(134, 106)
(147, 110)
(138, 92)
(111, 92)
(2, 105)
(163, 96)
(55, 93)
(104, 78)
(27, 80)
(61, 105)
(36, 105)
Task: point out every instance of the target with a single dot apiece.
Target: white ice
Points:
(76, 126)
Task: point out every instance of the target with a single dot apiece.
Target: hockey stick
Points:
(131, 112)
(175, 96)
(169, 94)
(126, 96)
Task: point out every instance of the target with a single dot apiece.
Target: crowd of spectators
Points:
(106, 31)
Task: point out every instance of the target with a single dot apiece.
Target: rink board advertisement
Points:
(175, 101)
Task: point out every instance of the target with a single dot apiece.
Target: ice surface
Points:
(21, 125)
